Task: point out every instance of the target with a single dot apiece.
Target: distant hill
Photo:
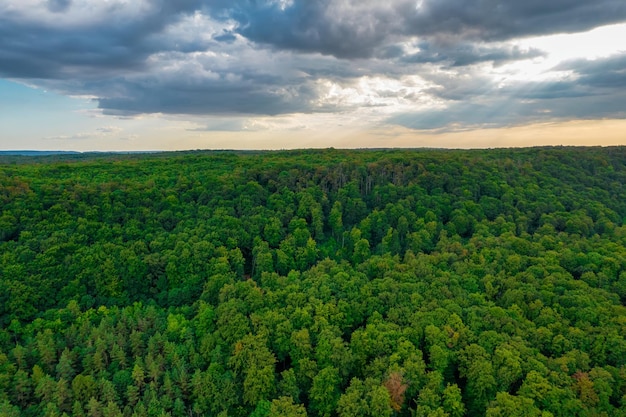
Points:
(37, 153)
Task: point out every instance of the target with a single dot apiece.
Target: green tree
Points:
(65, 367)
(335, 220)
(324, 393)
(452, 401)
(284, 407)
(508, 405)
(255, 363)
(475, 365)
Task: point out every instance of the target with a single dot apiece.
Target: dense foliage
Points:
(320, 283)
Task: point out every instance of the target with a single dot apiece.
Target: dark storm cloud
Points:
(318, 26)
(49, 53)
(219, 98)
(32, 49)
(206, 86)
(270, 57)
(502, 20)
(357, 28)
(124, 61)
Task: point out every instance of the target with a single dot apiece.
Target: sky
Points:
(95, 75)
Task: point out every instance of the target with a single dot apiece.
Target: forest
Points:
(409, 283)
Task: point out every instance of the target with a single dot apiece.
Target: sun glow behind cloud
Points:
(598, 43)
(386, 94)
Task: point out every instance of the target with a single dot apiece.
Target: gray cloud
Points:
(465, 53)
(358, 28)
(470, 115)
(225, 36)
(114, 41)
(208, 98)
(58, 5)
(346, 29)
(269, 57)
(502, 20)
(596, 89)
(606, 73)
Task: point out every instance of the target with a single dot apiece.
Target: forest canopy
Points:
(314, 282)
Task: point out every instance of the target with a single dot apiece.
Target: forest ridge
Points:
(314, 282)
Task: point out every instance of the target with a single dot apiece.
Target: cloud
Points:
(154, 62)
(98, 133)
(210, 83)
(74, 137)
(226, 36)
(594, 89)
(221, 125)
(426, 64)
(503, 20)
(59, 5)
(109, 129)
(238, 124)
(358, 28)
(465, 53)
(607, 73)
(83, 39)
